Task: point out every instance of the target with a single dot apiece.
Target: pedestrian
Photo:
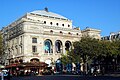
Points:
(8, 77)
(2, 75)
(92, 70)
(103, 70)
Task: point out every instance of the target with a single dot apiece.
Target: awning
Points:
(11, 65)
(38, 64)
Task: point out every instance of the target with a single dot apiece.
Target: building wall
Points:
(20, 33)
(51, 19)
(112, 36)
(93, 33)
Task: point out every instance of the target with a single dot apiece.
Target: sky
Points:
(98, 14)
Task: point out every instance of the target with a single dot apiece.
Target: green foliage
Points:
(109, 48)
(1, 44)
(88, 49)
(115, 48)
(64, 59)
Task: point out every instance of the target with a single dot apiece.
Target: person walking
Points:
(2, 75)
(8, 77)
(92, 70)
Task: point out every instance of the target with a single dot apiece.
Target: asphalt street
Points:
(65, 77)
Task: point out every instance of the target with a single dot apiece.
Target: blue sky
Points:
(99, 14)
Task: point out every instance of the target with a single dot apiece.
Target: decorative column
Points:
(54, 50)
(64, 51)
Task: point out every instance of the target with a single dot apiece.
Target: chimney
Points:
(46, 9)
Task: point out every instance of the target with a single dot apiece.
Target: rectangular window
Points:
(12, 42)
(34, 48)
(20, 39)
(34, 40)
(20, 49)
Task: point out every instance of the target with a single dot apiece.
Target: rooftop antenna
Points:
(46, 9)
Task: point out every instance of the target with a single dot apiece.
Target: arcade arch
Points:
(58, 46)
(68, 45)
(34, 60)
(48, 46)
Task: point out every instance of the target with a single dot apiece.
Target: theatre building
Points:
(40, 36)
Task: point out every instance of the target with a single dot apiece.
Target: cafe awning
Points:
(31, 64)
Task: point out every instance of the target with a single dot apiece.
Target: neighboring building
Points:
(115, 36)
(105, 38)
(93, 33)
(112, 36)
(40, 36)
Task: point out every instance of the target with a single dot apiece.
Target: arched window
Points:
(67, 45)
(62, 24)
(48, 46)
(58, 46)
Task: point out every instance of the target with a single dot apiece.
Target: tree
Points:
(65, 59)
(1, 47)
(1, 44)
(90, 50)
(86, 49)
(108, 54)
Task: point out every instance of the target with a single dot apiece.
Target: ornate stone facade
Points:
(39, 35)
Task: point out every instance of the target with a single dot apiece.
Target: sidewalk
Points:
(113, 74)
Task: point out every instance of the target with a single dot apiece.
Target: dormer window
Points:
(57, 24)
(51, 23)
(68, 25)
(62, 24)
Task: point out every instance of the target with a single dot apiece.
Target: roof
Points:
(47, 13)
(91, 29)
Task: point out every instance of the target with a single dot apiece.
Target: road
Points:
(65, 77)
